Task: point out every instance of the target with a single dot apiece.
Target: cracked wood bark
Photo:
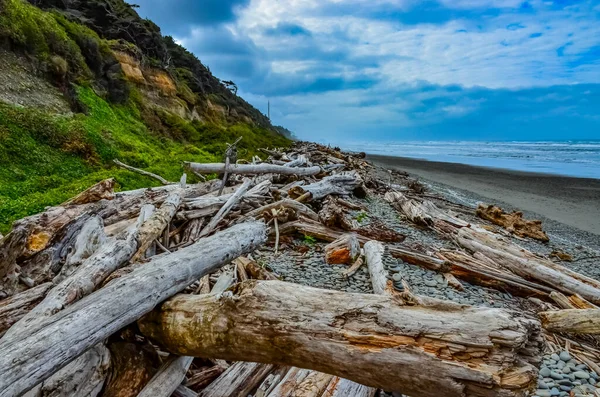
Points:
(301, 383)
(154, 226)
(424, 212)
(42, 266)
(17, 306)
(423, 351)
(239, 380)
(513, 222)
(252, 169)
(88, 276)
(342, 184)
(133, 364)
(84, 376)
(334, 215)
(103, 190)
(346, 388)
(523, 263)
(576, 321)
(61, 338)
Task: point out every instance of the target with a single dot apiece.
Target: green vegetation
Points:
(46, 159)
(361, 216)
(309, 240)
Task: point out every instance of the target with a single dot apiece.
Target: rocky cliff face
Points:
(167, 74)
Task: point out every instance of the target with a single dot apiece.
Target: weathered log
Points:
(233, 200)
(344, 250)
(17, 306)
(525, 264)
(423, 213)
(142, 172)
(379, 231)
(438, 349)
(41, 266)
(88, 240)
(154, 226)
(354, 268)
(168, 378)
(202, 378)
(576, 321)
(302, 383)
(64, 336)
(84, 376)
(473, 271)
(513, 222)
(103, 190)
(374, 254)
(239, 380)
(252, 169)
(334, 215)
(346, 388)
(342, 184)
(183, 391)
(132, 365)
(299, 208)
(300, 161)
(257, 272)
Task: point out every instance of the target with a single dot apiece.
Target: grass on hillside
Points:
(46, 159)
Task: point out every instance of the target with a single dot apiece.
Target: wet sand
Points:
(572, 201)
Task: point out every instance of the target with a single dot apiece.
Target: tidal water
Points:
(570, 158)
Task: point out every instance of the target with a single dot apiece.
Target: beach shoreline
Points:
(572, 201)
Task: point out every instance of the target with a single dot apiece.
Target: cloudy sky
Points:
(403, 69)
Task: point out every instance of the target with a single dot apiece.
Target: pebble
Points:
(397, 277)
(581, 375)
(564, 356)
(545, 372)
(555, 375)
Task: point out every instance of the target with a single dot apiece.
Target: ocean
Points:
(569, 158)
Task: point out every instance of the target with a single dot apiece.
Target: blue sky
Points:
(339, 70)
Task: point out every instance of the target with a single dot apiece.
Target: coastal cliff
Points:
(85, 82)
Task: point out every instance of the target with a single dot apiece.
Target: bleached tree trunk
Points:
(299, 208)
(154, 226)
(168, 378)
(302, 383)
(374, 255)
(17, 306)
(142, 172)
(238, 380)
(84, 376)
(340, 184)
(525, 264)
(252, 169)
(29, 360)
(429, 350)
(232, 201)
(576, 321)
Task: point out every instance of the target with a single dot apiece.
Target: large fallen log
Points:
(59, 339)
(576, 321)
(513, 222)
(523, 263)
(251, 169)
(438, 349)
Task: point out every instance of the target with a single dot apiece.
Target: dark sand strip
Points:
(571, 201)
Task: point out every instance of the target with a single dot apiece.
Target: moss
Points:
(38, 33)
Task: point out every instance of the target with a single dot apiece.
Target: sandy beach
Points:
(572, 201)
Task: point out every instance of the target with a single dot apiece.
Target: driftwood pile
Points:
(154, 292)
